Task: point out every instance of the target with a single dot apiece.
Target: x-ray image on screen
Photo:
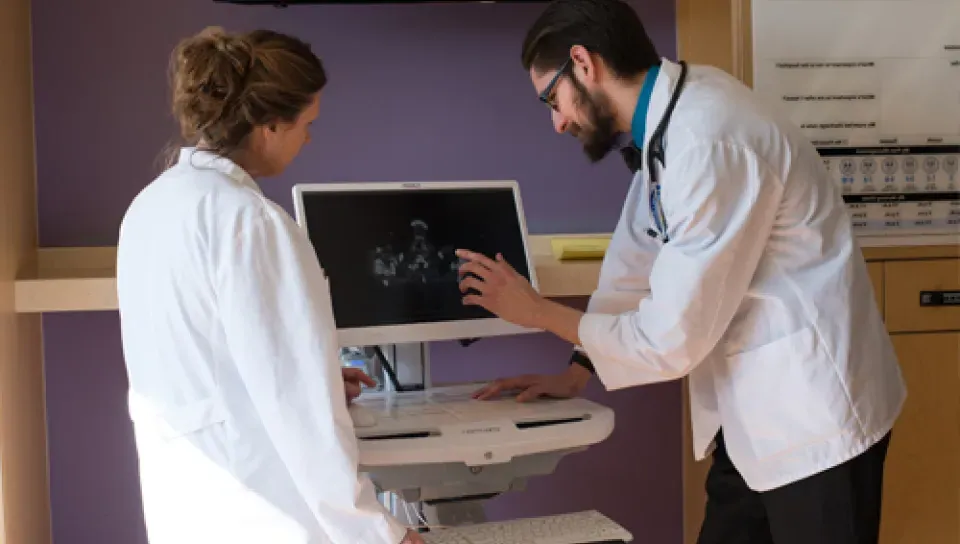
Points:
(419, 262)
(390, 254)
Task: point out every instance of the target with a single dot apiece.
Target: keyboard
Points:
(588, 527)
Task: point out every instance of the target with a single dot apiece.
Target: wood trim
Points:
(910, 253)
(24, 495)
(741, 38)
(704, 28)
(693, 475)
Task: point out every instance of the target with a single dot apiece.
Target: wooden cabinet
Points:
(922, 477)
(908, 283)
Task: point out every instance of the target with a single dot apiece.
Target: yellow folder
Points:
(579, 247)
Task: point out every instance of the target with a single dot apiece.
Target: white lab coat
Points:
(236, 392)
(761, 295)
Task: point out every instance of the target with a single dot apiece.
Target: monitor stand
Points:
(453, 514)
(410, 365)
(435, 514)
(407, 366)
(449, 490)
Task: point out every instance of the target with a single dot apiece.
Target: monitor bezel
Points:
(423, 332)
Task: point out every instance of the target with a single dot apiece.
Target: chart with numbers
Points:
(902, 189)
(882, 105)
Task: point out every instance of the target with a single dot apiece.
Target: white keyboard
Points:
(574, 528)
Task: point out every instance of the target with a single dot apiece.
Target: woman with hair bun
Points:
(237, 396)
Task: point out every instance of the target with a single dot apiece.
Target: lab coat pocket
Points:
(178, 421)
(782, 395)
(186, 463)
(193, 417)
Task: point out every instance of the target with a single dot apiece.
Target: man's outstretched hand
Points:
(498, 288)
(532, 386)
(353, 380)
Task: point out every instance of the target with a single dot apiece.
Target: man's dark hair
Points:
(608, 28)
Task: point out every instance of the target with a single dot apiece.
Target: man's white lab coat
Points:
(236, 392)
(761, 295)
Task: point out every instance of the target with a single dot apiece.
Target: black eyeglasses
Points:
(546, 96)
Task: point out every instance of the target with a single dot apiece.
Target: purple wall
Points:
(417, 93)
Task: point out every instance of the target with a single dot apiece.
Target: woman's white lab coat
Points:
(761, 296)
(236, 392)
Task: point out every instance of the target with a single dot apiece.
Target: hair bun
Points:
(226, 83)
(240, 54)
(219, 62)
(233, 45)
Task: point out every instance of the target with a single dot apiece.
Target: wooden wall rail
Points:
(24, 503)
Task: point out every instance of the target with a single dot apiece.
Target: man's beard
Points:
(599, 135)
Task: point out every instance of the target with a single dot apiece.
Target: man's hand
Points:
(352, 380)
(502, 290)
(531, 386)
(508, 295)
(412, 537)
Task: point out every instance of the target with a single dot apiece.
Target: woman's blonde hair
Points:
(225, 84)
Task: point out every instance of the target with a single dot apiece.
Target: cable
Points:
(391, 375)
(423, 520)
(409, 514)
(415, 516)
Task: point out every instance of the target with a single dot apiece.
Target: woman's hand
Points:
(353, 381)
(412, 537)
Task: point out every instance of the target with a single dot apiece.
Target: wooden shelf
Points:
(563, 278)
(84, 278)
(68, 279)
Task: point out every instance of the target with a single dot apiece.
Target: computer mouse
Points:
(362, 417)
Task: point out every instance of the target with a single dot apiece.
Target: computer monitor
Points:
(388, 252)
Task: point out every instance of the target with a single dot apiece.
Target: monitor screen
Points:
(388, 253)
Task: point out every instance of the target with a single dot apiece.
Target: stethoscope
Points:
(657, 153)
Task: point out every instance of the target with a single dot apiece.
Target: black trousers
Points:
(838, 506)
